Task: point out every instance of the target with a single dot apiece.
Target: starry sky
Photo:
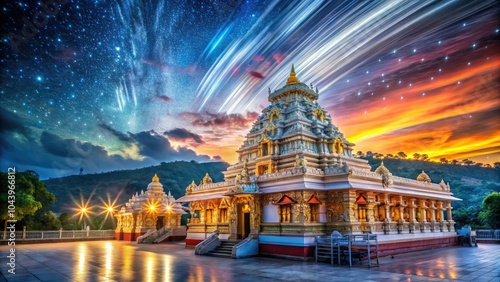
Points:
(107, 85)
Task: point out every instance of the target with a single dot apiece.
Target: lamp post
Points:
(83, 212)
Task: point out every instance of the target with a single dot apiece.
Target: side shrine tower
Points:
(296, 178)
(148, 212)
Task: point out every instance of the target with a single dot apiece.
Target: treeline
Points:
(119, 186)
(423, 157)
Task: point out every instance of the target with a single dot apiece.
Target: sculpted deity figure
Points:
(339, 146)
(300, 161)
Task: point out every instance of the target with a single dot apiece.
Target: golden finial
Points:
(155, 178)
(292, 79)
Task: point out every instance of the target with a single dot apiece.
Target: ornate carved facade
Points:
(296, 178)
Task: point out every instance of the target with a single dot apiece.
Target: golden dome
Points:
(155, 178)
(424, 177)
(292, 79)
(382, 169)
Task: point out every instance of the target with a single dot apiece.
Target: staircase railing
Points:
(247, 247)
(163, 236)
(209, 244)
(143, 237)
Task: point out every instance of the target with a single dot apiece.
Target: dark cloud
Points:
(231, 121)
(154, 145)
(11, 122)
(181, 134)
(121, 136)
(54, 156)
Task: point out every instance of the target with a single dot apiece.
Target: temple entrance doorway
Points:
(160, 222)
(243, 229)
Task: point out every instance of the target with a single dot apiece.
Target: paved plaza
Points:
(127, 261)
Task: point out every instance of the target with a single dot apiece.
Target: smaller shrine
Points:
(150, 211)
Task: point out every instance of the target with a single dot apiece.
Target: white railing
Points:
(57, 234)
(488, 234)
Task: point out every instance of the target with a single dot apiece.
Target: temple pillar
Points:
(412, 210)
(387, 208)
(451, 223)
(412, 214)
(433, 211)
(423, 212)
(371, 207)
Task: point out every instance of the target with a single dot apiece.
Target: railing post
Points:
(42, 234)
(73, 233)
(88, 231)
(24, 232)
(60, 233)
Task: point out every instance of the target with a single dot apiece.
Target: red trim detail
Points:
(314, 200)
(285, 200)
(361, 200)
(306, 251)
(192, 242)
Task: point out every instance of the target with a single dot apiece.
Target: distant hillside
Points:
(174, 176)
(469, 183)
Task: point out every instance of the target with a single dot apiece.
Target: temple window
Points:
(196, 216)
(265, 149)
(285, 210)
(314, 208)
(262, 169)
(314, 204)
(223, 215)
(361, 201)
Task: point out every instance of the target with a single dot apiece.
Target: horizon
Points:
(125, 87)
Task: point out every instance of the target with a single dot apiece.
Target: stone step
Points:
(222, 255)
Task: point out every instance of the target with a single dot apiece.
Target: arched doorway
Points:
(243, 222)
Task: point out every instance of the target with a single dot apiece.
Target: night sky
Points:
(107, 85)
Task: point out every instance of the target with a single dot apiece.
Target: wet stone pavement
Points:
(127, 261)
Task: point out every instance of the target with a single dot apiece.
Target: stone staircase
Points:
(225, 249)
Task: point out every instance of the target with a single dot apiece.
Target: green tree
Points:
(402, 155)
(67, 223)
(490, 215)
(26, 186)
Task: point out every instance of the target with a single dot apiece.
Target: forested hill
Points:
(469, 183)
(174, 176)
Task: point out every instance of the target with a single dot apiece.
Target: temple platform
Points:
(127, 261)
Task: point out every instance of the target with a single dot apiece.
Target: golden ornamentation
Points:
(339, 146)
(319, 114)
(190, 187)
(156, 178)
(207, 179)
(274, 114)
(335, 207)
(292, 79)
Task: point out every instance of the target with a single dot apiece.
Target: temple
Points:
(150, 217)
(297, 178)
